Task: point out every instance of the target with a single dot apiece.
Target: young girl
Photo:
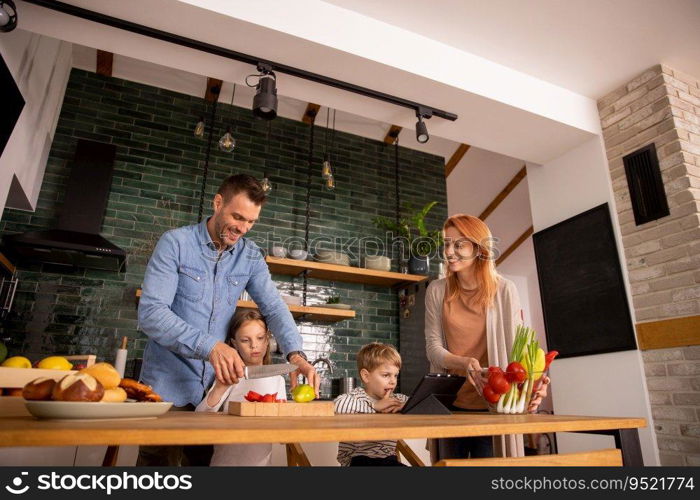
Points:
(248, 333)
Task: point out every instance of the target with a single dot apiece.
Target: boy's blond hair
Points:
(374, 354)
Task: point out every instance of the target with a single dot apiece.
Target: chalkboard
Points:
(583, 295)
(12, 104)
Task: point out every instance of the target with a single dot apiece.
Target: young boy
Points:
(378, 365)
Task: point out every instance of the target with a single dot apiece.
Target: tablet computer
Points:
(434, 394)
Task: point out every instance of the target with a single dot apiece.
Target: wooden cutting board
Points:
(311, 409)
(19, 377)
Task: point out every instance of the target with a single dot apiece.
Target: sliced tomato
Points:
(490, 395)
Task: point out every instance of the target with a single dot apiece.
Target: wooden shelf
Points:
(6, 266)
(335, 272)
(309, 312)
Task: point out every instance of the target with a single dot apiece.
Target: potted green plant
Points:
(421, 241)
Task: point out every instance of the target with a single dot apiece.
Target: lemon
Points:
(17, 362)
(54, 363)
(303, 393)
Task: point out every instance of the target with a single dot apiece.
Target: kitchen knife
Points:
(263, 371)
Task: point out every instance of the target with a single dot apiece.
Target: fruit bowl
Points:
(507, 391)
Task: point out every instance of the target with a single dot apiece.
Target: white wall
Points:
(610, 384)
(40, 66)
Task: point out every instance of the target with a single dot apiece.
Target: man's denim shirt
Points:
(189, 296)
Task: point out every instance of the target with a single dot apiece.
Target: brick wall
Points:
(663, 256)
(157, 180)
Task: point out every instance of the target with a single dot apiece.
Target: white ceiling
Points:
(588, 46)
(540, 120)
(545, 62)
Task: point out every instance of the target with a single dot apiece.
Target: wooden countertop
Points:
(218, 428)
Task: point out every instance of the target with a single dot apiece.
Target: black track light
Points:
(422, 135)
(265, 100)
(8, 15)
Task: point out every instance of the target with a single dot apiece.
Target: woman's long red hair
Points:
(476, 231)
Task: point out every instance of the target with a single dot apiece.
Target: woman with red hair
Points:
(471, 317)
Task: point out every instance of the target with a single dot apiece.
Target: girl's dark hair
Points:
(242, 183)
(242, 317)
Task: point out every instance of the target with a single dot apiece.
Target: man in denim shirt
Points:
(192, 284)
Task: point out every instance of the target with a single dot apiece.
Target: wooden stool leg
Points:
(111, 456)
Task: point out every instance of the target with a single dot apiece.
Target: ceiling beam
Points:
(456, 157)
(503, 194)
(392, 134)
(515, 245)
(213, 89)
(105, 61)
(310, 113)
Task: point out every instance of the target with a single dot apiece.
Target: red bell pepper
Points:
(549, 357)
(269, 398)
(253, 397)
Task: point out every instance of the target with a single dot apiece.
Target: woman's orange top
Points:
(464, 325)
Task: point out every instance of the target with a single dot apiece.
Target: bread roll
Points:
(78, 387)
(105, 373)
(39, 389)
(14, 392)
(115, 395)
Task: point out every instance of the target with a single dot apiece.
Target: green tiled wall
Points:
(156, 186)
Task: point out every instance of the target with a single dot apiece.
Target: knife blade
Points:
(263, 371)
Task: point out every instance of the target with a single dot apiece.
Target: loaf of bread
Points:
(114, 395)
(105, 373)
(39, 389)
(78, 387)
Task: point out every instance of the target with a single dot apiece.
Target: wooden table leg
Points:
(296, 456)
(111, 456)
(627, 440)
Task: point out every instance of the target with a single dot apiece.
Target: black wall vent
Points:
(645, 184)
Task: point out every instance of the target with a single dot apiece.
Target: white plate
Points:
(336, 306)
(82, 410)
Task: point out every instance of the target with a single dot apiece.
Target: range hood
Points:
(75, 241)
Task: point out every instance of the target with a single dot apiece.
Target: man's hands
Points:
(306, 370)
(388, 404)
(228, 365)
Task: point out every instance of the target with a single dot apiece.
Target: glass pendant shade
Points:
(227, 143)
(330, 183)
(266, 185)
(326, 170)
(199, 128)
